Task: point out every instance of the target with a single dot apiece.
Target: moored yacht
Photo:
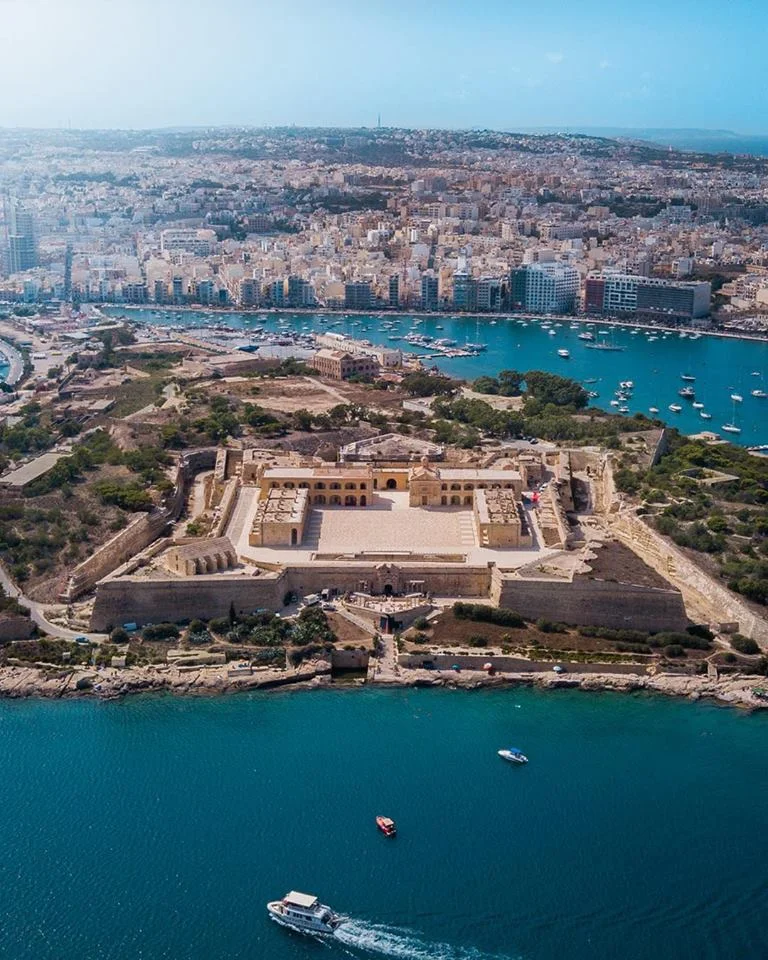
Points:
(304, 912)
(563, 353)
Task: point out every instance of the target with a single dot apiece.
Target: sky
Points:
(502, 64)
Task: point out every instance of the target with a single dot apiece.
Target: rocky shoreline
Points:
(109, 684)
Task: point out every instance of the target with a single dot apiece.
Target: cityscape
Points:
(383, 481)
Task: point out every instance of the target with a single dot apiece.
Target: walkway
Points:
(37, 612)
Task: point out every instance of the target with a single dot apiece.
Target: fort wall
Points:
(140, 531)
(586, 602)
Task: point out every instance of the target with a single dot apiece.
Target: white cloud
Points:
(555, 57)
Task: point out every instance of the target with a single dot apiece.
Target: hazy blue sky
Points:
(490, 63)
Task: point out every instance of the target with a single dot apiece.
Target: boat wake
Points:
(403, 943)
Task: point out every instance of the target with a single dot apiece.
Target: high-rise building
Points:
(488, 294)
(300, 292)
(277, 293)
(21, 250)
(430, 292)
(545, 288)
(357, 295)
(464, 292)
(610, 294)
(394, 291)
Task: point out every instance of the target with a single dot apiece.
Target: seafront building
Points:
(545, 288)
(612, 294)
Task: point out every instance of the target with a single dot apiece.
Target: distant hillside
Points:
(707, 141)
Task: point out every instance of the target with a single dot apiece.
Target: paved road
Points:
(37, 612)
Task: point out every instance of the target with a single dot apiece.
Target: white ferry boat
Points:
(304, 912)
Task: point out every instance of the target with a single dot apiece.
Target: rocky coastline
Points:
(35, 681)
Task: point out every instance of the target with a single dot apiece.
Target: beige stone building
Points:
(430, 486)
(280, 518)
(499, 520)
(201, 556)
(340, 365)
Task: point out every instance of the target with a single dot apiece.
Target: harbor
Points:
(653, 358)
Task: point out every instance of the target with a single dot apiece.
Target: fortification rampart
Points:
(586, 602)
(140, 531)
(707, 600)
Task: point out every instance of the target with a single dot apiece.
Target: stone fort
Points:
(393, 516)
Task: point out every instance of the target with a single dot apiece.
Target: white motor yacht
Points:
(513, 755)
(304, 912)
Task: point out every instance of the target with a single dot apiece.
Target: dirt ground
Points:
(614, 561)
(348, 632)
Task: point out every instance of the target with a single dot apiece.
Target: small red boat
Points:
(386, 826)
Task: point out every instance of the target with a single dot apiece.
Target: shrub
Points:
(420, 638)
(477, 641)
(744, 644)
(674, 650)
(421, 623)
(501, 616)
(160, 631)
(119, 635)
(219, 625)
(548, 626)
(700, 630)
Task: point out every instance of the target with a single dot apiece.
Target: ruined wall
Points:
(586, 602)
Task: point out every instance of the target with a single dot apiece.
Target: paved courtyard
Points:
(386, 525)
(390, 524)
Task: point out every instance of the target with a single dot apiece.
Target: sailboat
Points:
(732, 427)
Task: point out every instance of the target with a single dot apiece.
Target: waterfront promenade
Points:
(10, 355)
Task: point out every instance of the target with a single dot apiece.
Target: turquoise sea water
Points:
(157, 828)
(722, 366)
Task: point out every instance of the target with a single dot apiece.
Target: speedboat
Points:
(705, 416)
(760, 394)
(387, 826)
(736, 397)
(653, 409)
(563, 353)
(304, 912)
(513, 755)
(687, 377)
(698, 405)
(687, 393)
(675, 407)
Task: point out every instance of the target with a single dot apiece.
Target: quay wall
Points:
(445, 661)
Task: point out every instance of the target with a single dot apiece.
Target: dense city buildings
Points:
(386, 219)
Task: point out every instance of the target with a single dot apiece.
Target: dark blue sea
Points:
(157, 828)
(722, 366)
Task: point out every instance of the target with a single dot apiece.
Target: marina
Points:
(655, 360)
